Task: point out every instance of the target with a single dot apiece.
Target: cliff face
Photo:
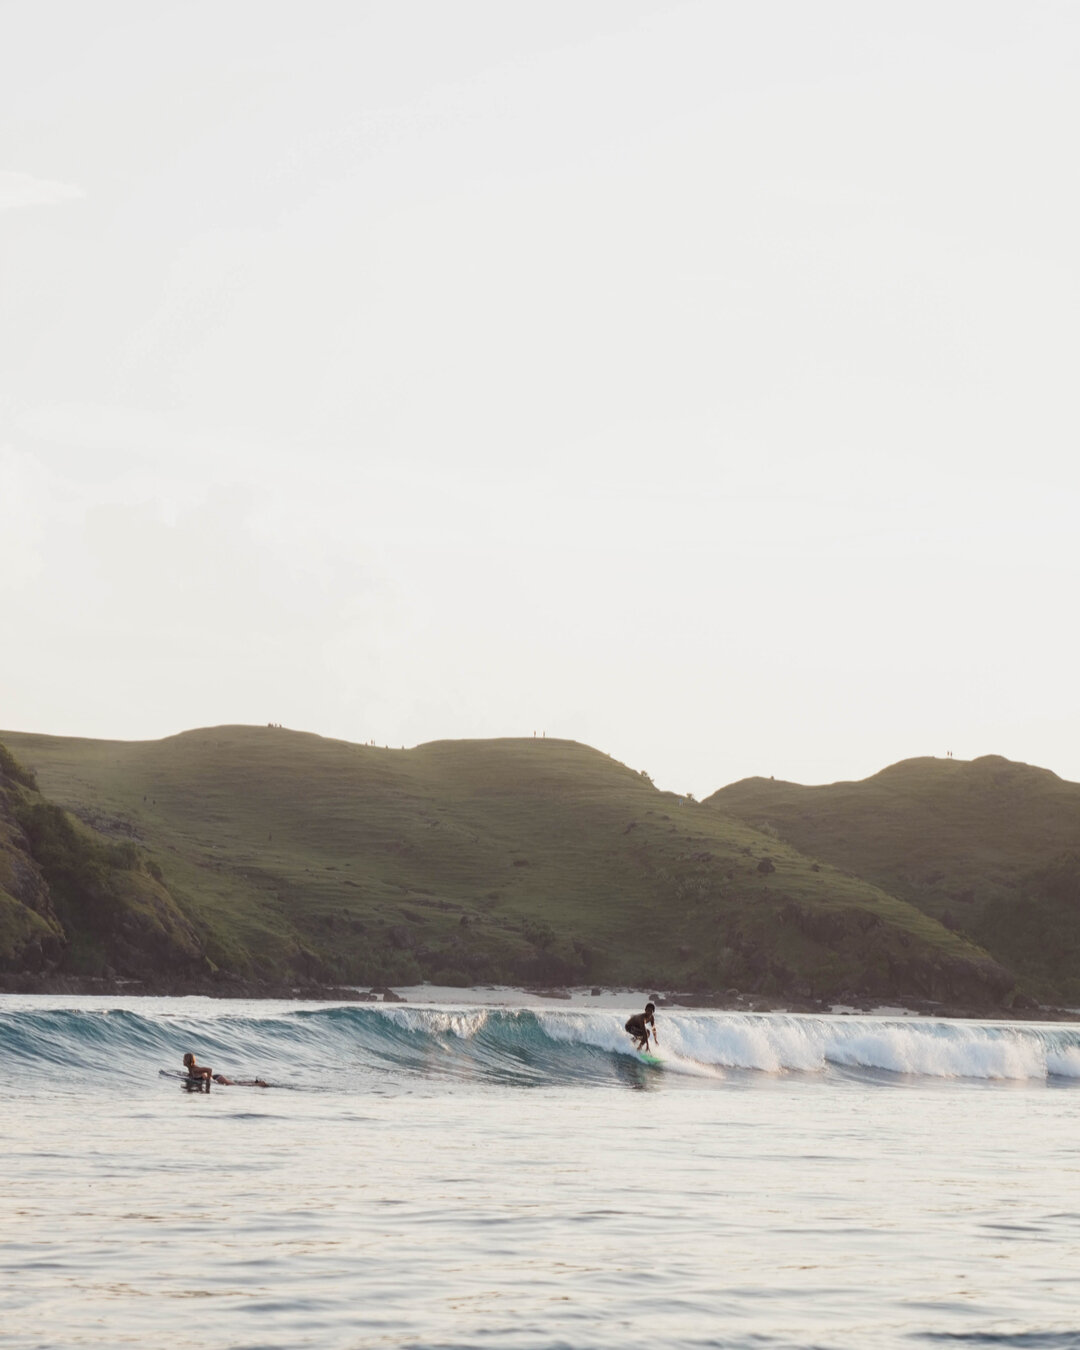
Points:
(31, 936)
(75, 903)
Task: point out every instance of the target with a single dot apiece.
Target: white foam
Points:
(461, 1022)
(956, 1055)
(1064, 1063)
(771, 1043)
(741, 1041)
(603, 1031)
(707, 1043)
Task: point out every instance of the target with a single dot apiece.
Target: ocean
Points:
(459, 1176)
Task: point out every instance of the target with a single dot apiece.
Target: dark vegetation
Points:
(116, 915)
(989, 847)
(1039, 928)
(11, 769)
(251, 854)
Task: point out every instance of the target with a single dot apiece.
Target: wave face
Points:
(346, 1046)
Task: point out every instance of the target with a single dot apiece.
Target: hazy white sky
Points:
(696, 380)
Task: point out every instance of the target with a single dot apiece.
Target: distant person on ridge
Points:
(638, 1027)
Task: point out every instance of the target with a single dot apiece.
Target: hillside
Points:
(72, 900)
(304, 859)
(989, 847)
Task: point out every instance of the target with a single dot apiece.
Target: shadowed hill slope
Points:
(537, 860)
(990, 847)
(70, 899)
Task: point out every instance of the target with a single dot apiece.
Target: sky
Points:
(693, 380)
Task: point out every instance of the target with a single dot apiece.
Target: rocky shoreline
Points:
(233, 987)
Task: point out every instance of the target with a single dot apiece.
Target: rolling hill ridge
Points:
(989, 847)
(258, 854)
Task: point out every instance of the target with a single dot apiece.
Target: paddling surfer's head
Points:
(650, 1007)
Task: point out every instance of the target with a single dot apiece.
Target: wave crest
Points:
(531, 1046)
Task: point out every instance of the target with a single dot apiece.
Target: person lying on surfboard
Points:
(637, 1027)
(199, 1071)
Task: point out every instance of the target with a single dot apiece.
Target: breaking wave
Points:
(348, 1045)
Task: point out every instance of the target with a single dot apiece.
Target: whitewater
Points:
(461, 1175)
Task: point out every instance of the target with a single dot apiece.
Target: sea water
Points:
(468, 1177)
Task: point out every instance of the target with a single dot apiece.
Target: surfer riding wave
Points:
(638, 1027)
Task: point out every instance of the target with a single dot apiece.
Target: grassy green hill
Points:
(989, 847)
(295, 857)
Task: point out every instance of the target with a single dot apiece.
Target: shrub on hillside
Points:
(1060, 881)
(18, 773)
(70, 854)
